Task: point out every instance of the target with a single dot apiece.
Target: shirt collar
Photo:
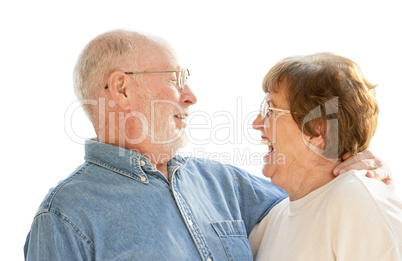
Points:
(125, 162)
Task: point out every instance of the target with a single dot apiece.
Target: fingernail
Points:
(342, 171)
(336, 172)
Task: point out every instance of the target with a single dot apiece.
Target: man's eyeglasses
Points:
(182, 76)
(265, 110)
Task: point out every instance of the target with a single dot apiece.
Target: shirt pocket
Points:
(233, 236)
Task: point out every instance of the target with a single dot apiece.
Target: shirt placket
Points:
(190, 221)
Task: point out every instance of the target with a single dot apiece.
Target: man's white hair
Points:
(106, 53)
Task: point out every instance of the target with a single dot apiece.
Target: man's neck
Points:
(158, 158)
(163, 169)
(157, 155)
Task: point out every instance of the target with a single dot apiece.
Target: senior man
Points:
(134, 198)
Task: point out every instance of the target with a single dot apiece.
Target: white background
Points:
(228, 47)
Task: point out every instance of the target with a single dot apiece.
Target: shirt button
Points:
(190, 222)
(143, 179)
(142, 163)
(209, 259)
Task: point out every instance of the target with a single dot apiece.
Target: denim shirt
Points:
(117, 207)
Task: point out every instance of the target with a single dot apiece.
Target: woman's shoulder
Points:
(356, 194)
(354, 185)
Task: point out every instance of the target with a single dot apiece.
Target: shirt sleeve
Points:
(257, 196)
(368, 225)
(52, 238)
(256, 235)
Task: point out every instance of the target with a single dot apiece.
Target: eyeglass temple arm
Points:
(149, 72)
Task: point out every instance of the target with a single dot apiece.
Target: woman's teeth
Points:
(267, 142)
(270, 147)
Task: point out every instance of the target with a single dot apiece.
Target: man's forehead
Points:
(161, 58)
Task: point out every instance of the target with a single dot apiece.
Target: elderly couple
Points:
(135, 199)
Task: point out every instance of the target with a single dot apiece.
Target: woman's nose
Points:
(258, 123)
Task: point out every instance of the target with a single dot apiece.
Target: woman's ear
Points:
(118, 86)
(317, 143)
(320, 131)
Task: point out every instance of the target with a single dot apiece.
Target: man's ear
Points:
(118, 86)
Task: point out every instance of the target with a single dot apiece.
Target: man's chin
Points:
(176, 142)
(181, 142)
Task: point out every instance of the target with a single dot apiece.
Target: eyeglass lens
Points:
(264, 109)
(183, 77)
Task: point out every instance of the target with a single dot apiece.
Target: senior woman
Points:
(316, 109)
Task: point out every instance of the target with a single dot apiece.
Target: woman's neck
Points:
(310, 178)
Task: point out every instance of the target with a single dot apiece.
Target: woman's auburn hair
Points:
(329, 96)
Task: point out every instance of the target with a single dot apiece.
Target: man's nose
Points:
(187, 96)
